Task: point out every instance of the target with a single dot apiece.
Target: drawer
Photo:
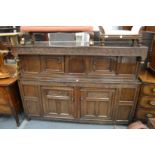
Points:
(4, 109)
(148, 89)
(144, 114)
(147, 102)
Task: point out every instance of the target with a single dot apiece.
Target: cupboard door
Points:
(97, 104)
(54, 64)
(126, 104)
(58, 102)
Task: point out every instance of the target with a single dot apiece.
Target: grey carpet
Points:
(37, 124)
(8, 122)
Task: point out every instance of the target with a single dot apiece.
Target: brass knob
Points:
(153, 90)
(149, 115)
(152, 103)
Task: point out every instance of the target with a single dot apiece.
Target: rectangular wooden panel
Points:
(29, 90)
(103, 65)
(127, 94)
(127, 66)
(58, 102)
(29, 64)
(75, 64)
(96, 103)
(124, 113)
(54, 64)
(32, 107)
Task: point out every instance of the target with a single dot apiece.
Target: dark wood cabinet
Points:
(80, 84)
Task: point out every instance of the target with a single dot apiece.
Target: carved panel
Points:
(127, 94)
(30, 90)
(76, 64)
(29, 64)
(127, 65)
(52, 64)
(58, 102)
(97, 103)
(124, 112)
(103, 65)
(32, 107)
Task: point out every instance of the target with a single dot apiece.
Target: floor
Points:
(8, 122)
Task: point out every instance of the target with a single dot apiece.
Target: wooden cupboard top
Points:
(147, 77)
(85, 51)
(7, 81)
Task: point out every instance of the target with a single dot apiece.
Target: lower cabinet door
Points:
(96, 104)
(58, 102)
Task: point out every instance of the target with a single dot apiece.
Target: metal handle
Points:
(152, 103)
(153, 90)
(149, 115)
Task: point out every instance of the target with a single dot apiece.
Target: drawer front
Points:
(147, 102)
(4, 109)
(144, 114)
(148, 89)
